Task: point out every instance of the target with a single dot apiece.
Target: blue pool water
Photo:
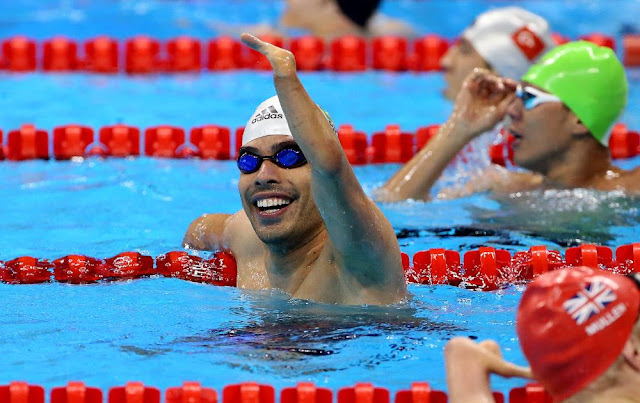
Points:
(164, 331)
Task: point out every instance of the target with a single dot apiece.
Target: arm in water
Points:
(480, 105)
(469, 366)
(363, 241)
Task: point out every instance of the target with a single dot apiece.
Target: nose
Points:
(268, 173)
(515, 109)
(447, 59)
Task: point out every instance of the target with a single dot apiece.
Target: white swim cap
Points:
(267, 120)
(510, 39)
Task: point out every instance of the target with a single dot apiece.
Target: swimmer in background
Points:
(329, 19)
(306, 228)
(580, 350)
(506, 41)
(561, 116)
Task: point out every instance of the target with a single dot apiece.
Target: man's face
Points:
(278, 201)
(458, 63)
(542, 133)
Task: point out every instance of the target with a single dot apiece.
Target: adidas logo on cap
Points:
(268, 113)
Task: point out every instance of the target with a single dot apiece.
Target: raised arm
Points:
(480, 105)
(469, 366)
(363, 240)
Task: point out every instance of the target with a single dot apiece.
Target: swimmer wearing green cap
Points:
(561, 116)
(306, 227)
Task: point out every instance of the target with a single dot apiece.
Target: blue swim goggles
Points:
(532, 97)
(289, 157)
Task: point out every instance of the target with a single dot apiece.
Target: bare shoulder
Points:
(205, 232)
(632, 180)
(507, 181)
(627, 181)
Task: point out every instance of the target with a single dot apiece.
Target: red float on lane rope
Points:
(436, 266)
(532, 393)
(363, 393)
(309, 52)
(589, 255)
(76, 392)
(76, 269)
(142, 55)
(120, 140)
(390, 53)
(348, 54)
(19, 54)
(134, 392)
(163, 141)
(427, 53)
(354, 144)
(631, 49)
(211, 142)
(60, 54)
(190, 392)
(623, 143)
(225, 53)
(600, 40)
(392, 145)
(538, 260)
(486, 267)
(184, 55)
(628, 258)
(71, 141)
(248, 392)
(26, 270)
(420, 392)
(101, 55)
(21, 392)
(27, 143)
(126, 265)
(306, 392)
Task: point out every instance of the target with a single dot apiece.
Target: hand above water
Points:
(481, 103)
(469, 365)
(282, 61)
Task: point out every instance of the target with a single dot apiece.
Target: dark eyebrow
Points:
(284, 144)
(252, 150)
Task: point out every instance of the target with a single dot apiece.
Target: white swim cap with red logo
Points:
(510, 39)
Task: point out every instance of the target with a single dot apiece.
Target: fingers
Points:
(509, 370)
(253, 42)
(282, 61)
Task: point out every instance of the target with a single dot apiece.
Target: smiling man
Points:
(561, 117)
(306, 226)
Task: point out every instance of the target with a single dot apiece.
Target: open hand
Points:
(482, 102)
(282, 61)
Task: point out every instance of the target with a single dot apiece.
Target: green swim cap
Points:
(589, 79)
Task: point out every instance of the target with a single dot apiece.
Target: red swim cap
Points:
(573, 324)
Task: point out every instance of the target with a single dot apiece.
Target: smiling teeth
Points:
(274, 202)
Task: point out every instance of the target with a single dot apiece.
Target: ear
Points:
(631, 354)
(578, 129)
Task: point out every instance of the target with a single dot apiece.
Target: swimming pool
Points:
(164, 331)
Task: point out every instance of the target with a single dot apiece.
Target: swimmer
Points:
(505, 40)
(330, 19)
(561, 115)
(306, 227)
(579, 330)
